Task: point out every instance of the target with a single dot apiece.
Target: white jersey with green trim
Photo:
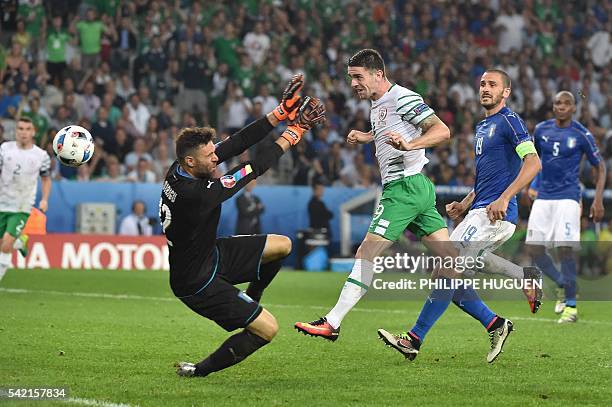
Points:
(399, 110)
(19, 172)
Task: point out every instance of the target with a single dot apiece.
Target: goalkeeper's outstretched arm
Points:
(258, 130)
(217, 190)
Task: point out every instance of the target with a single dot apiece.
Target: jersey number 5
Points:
(556, 148)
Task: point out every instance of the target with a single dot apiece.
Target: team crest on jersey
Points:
(571, 142)
(382, 113)
(491, 130)
(228, 181)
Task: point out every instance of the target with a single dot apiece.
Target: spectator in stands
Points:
(256, 44)
(236, 108)
(89, 103)
(318, 213)
(438, 51)
(138, 113)
(89, 32)
(113, 170)
(136, 223)
(139, 152)
(61, 118)
(142, 172)
(161, 161)
(197, 77)
(250, 209)
(268, 102)
(57, 41)
(125, 43)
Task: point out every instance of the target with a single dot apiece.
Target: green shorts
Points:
(12, 222)
(410, 203)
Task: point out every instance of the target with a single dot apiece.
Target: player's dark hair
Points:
(25, 119)
(191, 138)
(369, 59)
(505, 77)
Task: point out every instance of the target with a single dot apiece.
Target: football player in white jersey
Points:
(408, 200)
(21, 163)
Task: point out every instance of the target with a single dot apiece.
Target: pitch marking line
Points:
(94, 403)
(287, 306)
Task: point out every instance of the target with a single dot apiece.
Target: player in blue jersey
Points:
(554, 221)
(506, 162)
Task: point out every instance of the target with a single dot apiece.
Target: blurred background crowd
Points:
(134, 72)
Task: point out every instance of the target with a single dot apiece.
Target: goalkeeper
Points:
(204, 269)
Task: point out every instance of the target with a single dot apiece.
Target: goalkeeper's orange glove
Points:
(291, 99)
(310, 113)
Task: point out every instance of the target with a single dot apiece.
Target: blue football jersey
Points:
(497, 162)
(561, 151)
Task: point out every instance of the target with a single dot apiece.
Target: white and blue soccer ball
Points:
(73, 146)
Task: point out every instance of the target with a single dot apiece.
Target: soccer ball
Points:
(73, 146)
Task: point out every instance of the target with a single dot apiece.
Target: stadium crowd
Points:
(134, 72)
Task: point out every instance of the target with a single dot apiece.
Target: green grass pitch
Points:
(113, 336)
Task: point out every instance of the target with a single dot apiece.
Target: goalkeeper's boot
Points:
(21, 244)
(570, 314)
(320, 328)
(533, 275)
(498, 336)
(185, 369)
(404, 343)
(560, 304)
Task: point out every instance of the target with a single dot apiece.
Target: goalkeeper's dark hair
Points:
(369, 59)
(505, 77)
(190, 138)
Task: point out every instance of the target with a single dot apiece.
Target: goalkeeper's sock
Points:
(468, 300)
(493, 264)
(434, 307)
(266, 274)
(234, 350)
(356, 286)
(568, 268)
(5, 261)
(545, 263)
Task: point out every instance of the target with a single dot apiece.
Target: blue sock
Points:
(434, 307)
(468, 300)
(568, 268)
(545, 263)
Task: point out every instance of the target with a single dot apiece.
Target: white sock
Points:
(498, 265)
(352, 291)
(5, 261)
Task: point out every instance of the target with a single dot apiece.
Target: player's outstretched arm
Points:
(434, 132)
(217, 190)
(597, 208)
(496, 210)
(259, 129)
